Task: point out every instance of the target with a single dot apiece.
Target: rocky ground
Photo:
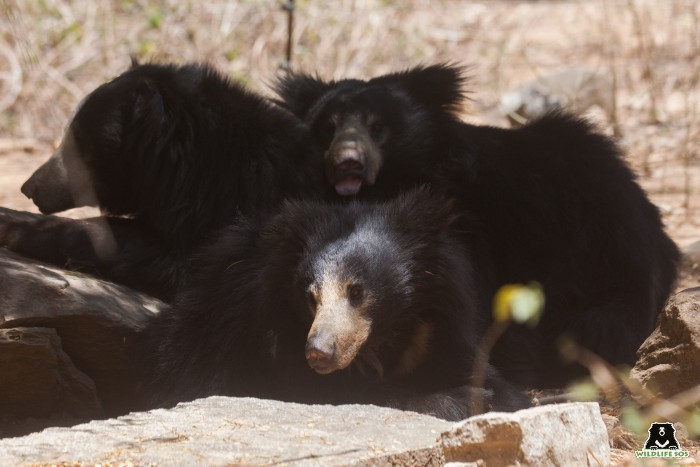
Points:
(256, 432)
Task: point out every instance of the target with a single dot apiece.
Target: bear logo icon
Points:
(662, 436)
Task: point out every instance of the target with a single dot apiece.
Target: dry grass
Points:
(65, 48)
(53, 52)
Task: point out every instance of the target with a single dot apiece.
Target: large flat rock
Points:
(228, 431)
(245, 431)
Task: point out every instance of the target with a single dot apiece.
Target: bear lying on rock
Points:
(362, 303)
(169, 154)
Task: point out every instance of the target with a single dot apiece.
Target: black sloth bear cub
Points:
(332, 304)
(169, 153)
(555, 202)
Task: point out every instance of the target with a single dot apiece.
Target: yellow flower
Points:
(519, 303)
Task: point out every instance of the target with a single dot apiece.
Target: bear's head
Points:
(365, 279)
(122, 142)
(89, 168)
(380, 135)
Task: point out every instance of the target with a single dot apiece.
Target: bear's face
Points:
(355, 285)
(93, 164)
(378, 133)
(359, 127)
(361, 271)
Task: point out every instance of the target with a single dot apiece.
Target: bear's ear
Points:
(147, 112)
(439, 88)
(147, 97)
(299, 92)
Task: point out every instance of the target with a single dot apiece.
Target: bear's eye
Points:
(376, 129)
(355, 292)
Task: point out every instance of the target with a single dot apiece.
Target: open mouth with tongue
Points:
(348, 186)
(348, 177)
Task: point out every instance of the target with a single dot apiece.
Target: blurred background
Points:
(631, 65)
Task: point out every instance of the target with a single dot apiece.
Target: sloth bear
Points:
(554, 200)
(169, 153)
(322, 303)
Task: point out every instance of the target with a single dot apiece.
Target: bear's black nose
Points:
(319, 354)
(29, 188)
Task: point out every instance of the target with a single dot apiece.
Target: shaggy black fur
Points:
(169, 153)
(555, 200)
(378, 299)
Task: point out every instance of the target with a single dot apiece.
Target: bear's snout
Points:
(350, 167)
(346, 167)
(337, 333)
(48, 187)
(353, 157)
(319, 354)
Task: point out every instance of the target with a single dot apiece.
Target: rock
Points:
(619, 436)
(97, 323)
(557, 435)
(233, 431)
(39, 379)
(228, 431)
(572, 89)
(669, 360)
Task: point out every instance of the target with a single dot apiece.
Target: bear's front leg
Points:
(453, 405)
(116, 249)
(35, 236)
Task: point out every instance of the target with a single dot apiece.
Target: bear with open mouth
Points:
(554, 200)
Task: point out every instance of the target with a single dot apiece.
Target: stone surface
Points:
(39, 379)
(552, 435)
(572, 89)
(97, 323)
(669, 360)
(228, 431)
(245, 431)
